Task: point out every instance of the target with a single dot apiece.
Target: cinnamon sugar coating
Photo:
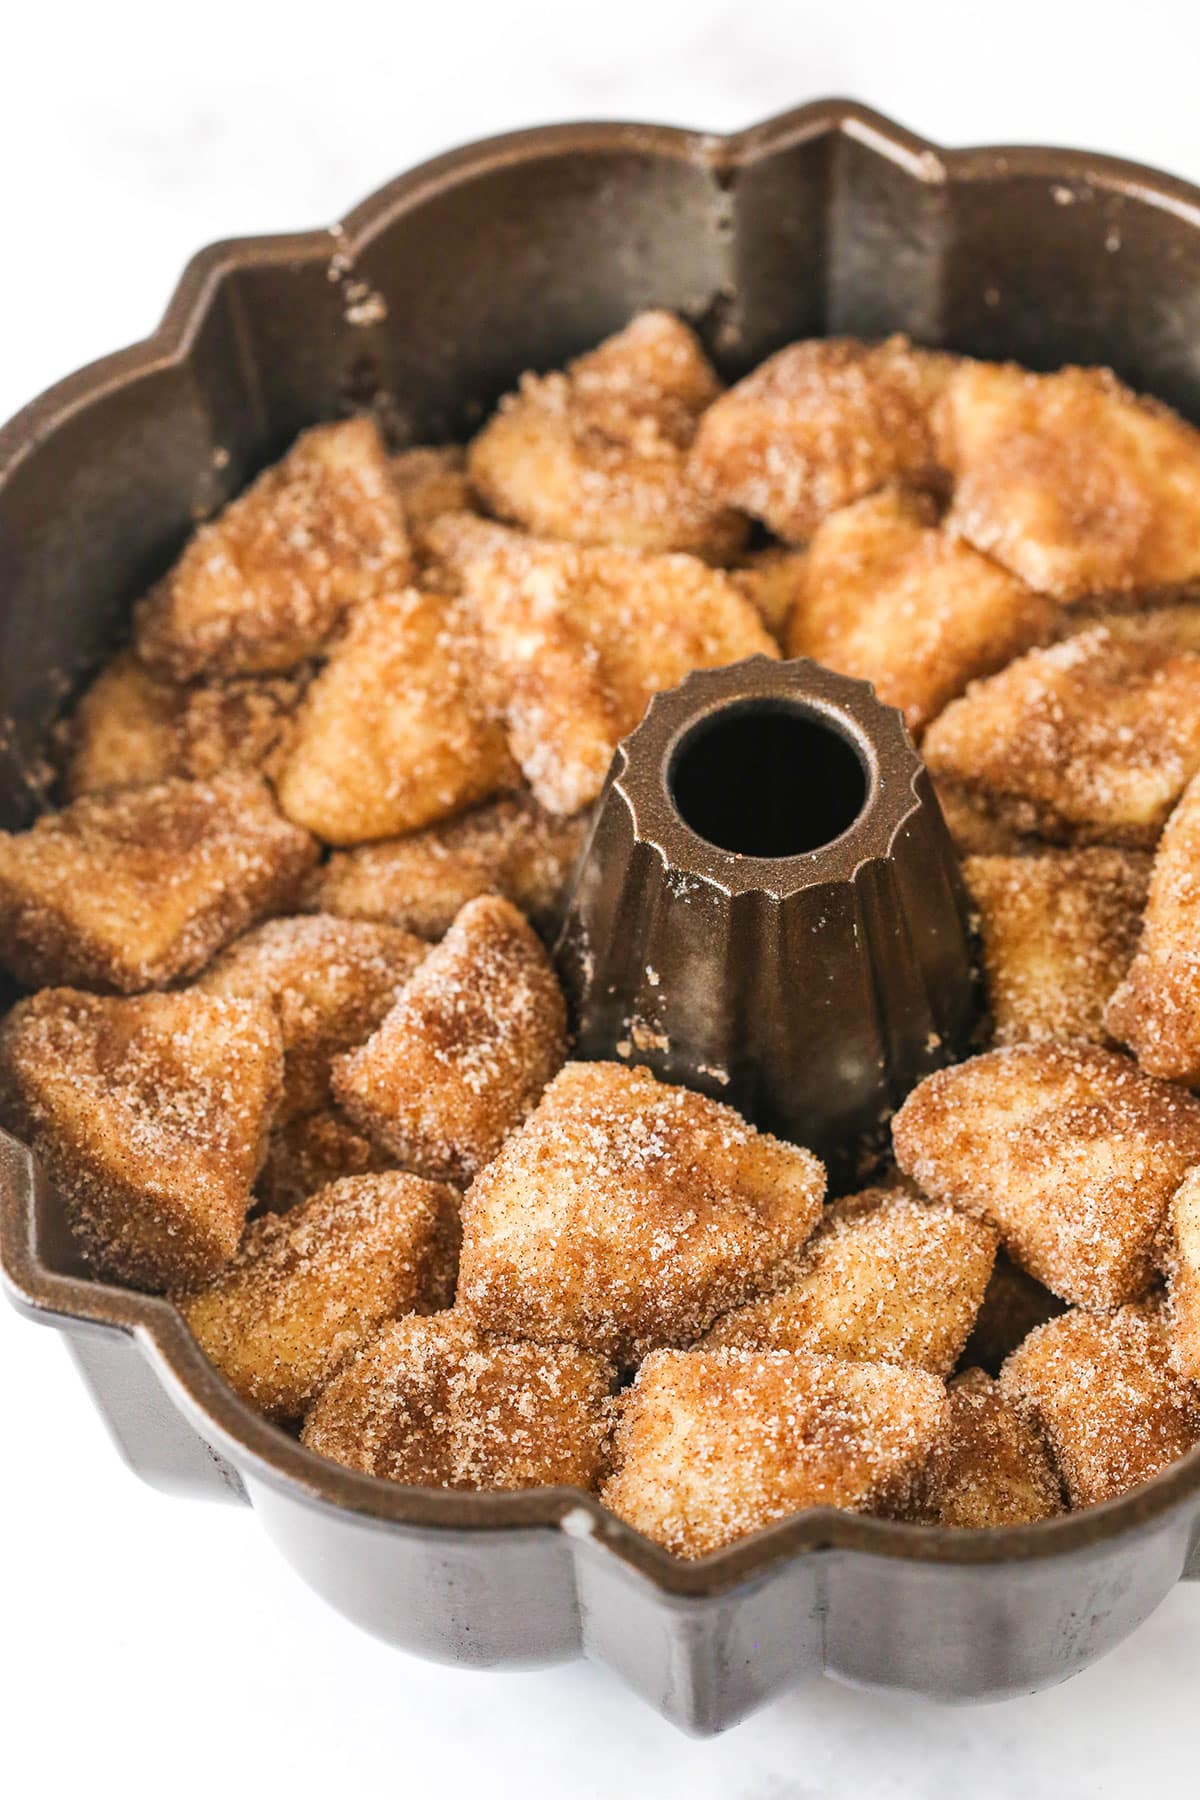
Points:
(819, 425)
(973, 830)
(989, 1467)
(582, 639)
(1058, 932)
(150, 1116)
(713, 1444)
(264, 585)
(598, 454)
(511, 847)
(1101, 1390)
(133, 890)
(429, 1403)
(628, 1214)
(397, 729)
(1074, 483)
(463, 1055)
(886, 1277)
(1014, 1304)
(305, 1154)
(1156, 1009)
(131, 728)
(889, 597)
(1182, 1243)
(308, 1288)
(332, 980)
(430, 481)
(1091, 740)
(1070, 1150)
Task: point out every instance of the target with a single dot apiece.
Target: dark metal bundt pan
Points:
(428, 302)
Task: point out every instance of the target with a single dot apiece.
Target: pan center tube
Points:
(767, 778)
(769, 907)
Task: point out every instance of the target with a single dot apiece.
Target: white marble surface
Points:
(129, 135)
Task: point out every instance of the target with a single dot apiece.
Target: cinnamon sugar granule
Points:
(582, 639)
(1076, 484)
(332, 980)
(1101, 1390)
(713, 1444)
(131, 728)
(598, 454)
(1182, 1258)
(1013, 1305)
(627, 1214)
(1058, 932)
(463, 1055)
(989, 1467)
(511, 847)
(1091, 740)
(1156, 1010)
(431, 1404)
(307, 1153)
(397, 729)
(263, 587)
(886, 1277)
(890, 598)
(819, 425)
(150, 1116)
(1070, 1150)
(136, 889)
(309, 1287)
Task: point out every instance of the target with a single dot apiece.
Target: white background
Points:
(160, 1646)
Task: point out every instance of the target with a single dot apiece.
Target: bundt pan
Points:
(427, 303)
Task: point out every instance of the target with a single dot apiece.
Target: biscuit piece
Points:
(973, 830)
(511, 846)
(1014, 1304)
(131, 728)
(265, 584)
(1103, 1394)
(819, 425)
(1091, 740)
(309, 1288)
(150, 1116)
(1183, 1276)
(430, 1404)
(469, 1045)
(886, 1277)
(598, 454)
(333, 981)
(396, 730)
(771, 579)
(133, 890)
(627, 1214)
(713, 1444)
(431, 481)
(890, 598)
(306, 1154)
(583, 639)
(1070, 1150)
(1070, 480)
(1156, 1009)
(1058, 932)
(989, 1467)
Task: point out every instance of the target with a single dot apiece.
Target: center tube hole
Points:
(767, 778)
